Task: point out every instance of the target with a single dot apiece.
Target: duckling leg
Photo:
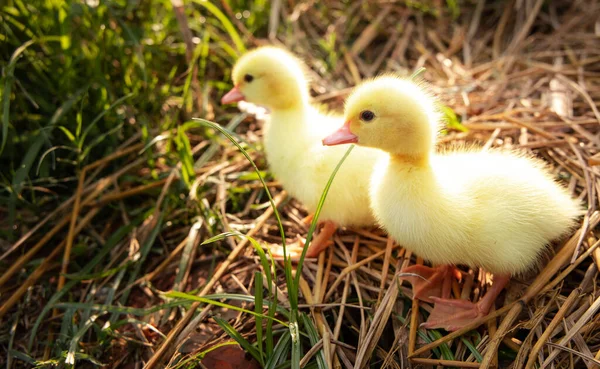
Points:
(321, 241)
(452, 315)
(308, 219)
(431, 282)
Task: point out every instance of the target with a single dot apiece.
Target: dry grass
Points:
(521, 74)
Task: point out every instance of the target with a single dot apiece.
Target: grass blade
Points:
(258, 308)
(182, 295)
(473, 349)
(268, 268)
(108, 246)
(313, 337)
(239, 44)
(313, 224)
(8, 82)
(295, 336)
(280, 352)
(288, 270)
(238, 337)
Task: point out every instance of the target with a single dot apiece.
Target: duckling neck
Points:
(410, 161)
(289, 125)
(410, 178)
(294, 98)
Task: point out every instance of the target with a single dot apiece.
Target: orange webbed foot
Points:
(452, 315)
(317, 245)
(430, 282)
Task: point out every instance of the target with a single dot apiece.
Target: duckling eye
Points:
(248, 78)
(367, 115)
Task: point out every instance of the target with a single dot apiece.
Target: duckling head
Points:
(271, 77)
(391, 114)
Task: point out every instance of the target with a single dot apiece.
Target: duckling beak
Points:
(341, 136)
(234, 95)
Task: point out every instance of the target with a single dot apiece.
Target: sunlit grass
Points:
(293, 282)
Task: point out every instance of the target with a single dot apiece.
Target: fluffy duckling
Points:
(496, 210)
(273, 78)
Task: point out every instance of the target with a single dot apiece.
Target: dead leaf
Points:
(229, 357)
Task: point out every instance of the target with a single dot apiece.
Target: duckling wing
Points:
(513, 204)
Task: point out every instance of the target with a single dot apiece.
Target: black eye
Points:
(248, 78)
(367, 115)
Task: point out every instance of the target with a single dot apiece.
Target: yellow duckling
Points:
(496, 210)
(273, 78)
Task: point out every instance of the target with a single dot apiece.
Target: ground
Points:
(97, 102)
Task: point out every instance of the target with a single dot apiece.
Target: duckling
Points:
(275, 79)
(495, 210)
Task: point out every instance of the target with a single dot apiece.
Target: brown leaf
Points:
(229, 357)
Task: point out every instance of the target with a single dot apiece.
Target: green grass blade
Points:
(239, 44)
(120, 323)
(108, 246)
(280, 352)
(8, 82)
(417, 73)
(99, 275)
(99, 116)
(288, 270)
(234, 296)
(258, 308)
(473, 349)
(313, 224)
(296, 342)
(187, 252)
(186, 296)
(238, 337)
(184, 149)
(144, 250)
(74, 344)
(123, 310)
(214, 147)
(261, 253)
(313, 337)
(444, 348)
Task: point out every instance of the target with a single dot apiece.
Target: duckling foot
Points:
(293, 250)
(452, 315)
(322, 240)
(318, 244)
(430, 282)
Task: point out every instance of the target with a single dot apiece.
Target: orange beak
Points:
(234, 95)
(341, 136)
